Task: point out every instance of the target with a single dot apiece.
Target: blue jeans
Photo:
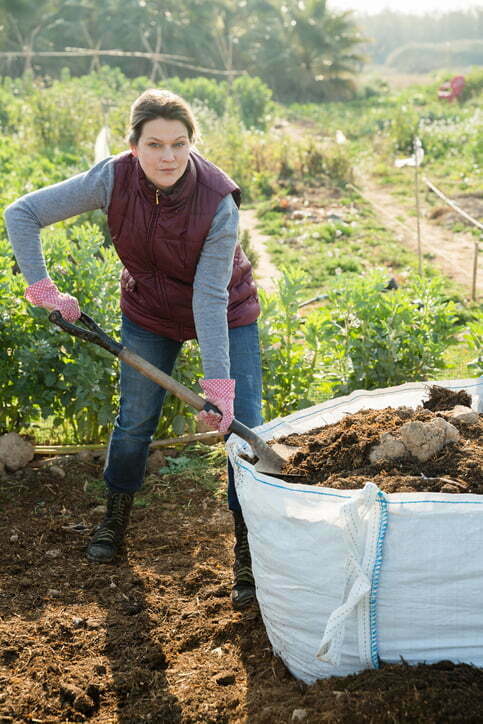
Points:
(142, 400)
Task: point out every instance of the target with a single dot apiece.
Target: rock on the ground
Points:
(299, 714)
(57, 471)
(155, 461)
(15, 451)
(53, 553)
(86, 456)
(425, 439)
(462, 413)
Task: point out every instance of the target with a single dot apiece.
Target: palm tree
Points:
(320, 47)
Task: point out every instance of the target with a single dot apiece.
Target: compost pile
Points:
(342, 455)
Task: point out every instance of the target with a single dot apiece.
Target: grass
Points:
(329, 253)
(200, 464)
(95, 487)
(456, 358)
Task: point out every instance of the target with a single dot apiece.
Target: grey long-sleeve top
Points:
(92, 190)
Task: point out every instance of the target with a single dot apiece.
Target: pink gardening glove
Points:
(45, 294)
(220, 393)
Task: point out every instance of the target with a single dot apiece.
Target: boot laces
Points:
(243, 562)
(112, 528)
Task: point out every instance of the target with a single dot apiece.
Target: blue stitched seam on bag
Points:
(443, 502)
(375, 579)
(291, 490)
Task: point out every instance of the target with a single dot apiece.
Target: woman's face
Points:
(163, 151)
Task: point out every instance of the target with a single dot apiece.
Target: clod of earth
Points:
(299, 714)
(57, 470)
(421, 439)
(156, 461)
(390, 448)
(462, 413)
(441, 398)
(426, 439)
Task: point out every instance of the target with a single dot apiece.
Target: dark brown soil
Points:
(153, 639)
(440, 398)
(337, 456)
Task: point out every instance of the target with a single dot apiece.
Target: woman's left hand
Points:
(222, 394)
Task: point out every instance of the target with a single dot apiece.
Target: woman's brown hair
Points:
(154, 104)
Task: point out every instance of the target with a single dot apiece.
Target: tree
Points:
(299, 48)
(320, 46)
(25, 21)
(97, 25)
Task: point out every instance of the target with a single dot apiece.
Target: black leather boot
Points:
(243, 591)
(108, 537)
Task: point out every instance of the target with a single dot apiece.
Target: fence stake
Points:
(468, 218)
(417, 153)
(475, 271)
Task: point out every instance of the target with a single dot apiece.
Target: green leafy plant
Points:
(254, 100)
(46, 374)
(52, 375)
(247, 246)
(474, 336)
(289, 349)
(205, 467)
(377, 338)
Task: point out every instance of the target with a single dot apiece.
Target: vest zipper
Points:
(150, 244)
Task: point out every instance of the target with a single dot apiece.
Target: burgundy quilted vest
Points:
(159, 238)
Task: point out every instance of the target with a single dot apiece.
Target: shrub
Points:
(376, 338)
(289, 349)
(52, 375)
(203, 90)
(62, 117)
(254, 100)
(404, 127)
(473, 84)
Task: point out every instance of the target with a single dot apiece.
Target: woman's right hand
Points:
(44, 293)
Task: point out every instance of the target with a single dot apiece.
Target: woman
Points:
(173, 219)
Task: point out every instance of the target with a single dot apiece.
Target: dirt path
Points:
(452, 253)
(266, 273)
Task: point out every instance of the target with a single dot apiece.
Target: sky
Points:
(407, 6)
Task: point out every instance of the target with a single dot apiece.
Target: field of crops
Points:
(288, 164)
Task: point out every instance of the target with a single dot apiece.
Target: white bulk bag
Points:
(348, 578)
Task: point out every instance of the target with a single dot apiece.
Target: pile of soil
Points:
(337, 455)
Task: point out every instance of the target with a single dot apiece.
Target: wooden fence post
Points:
(468, 218)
